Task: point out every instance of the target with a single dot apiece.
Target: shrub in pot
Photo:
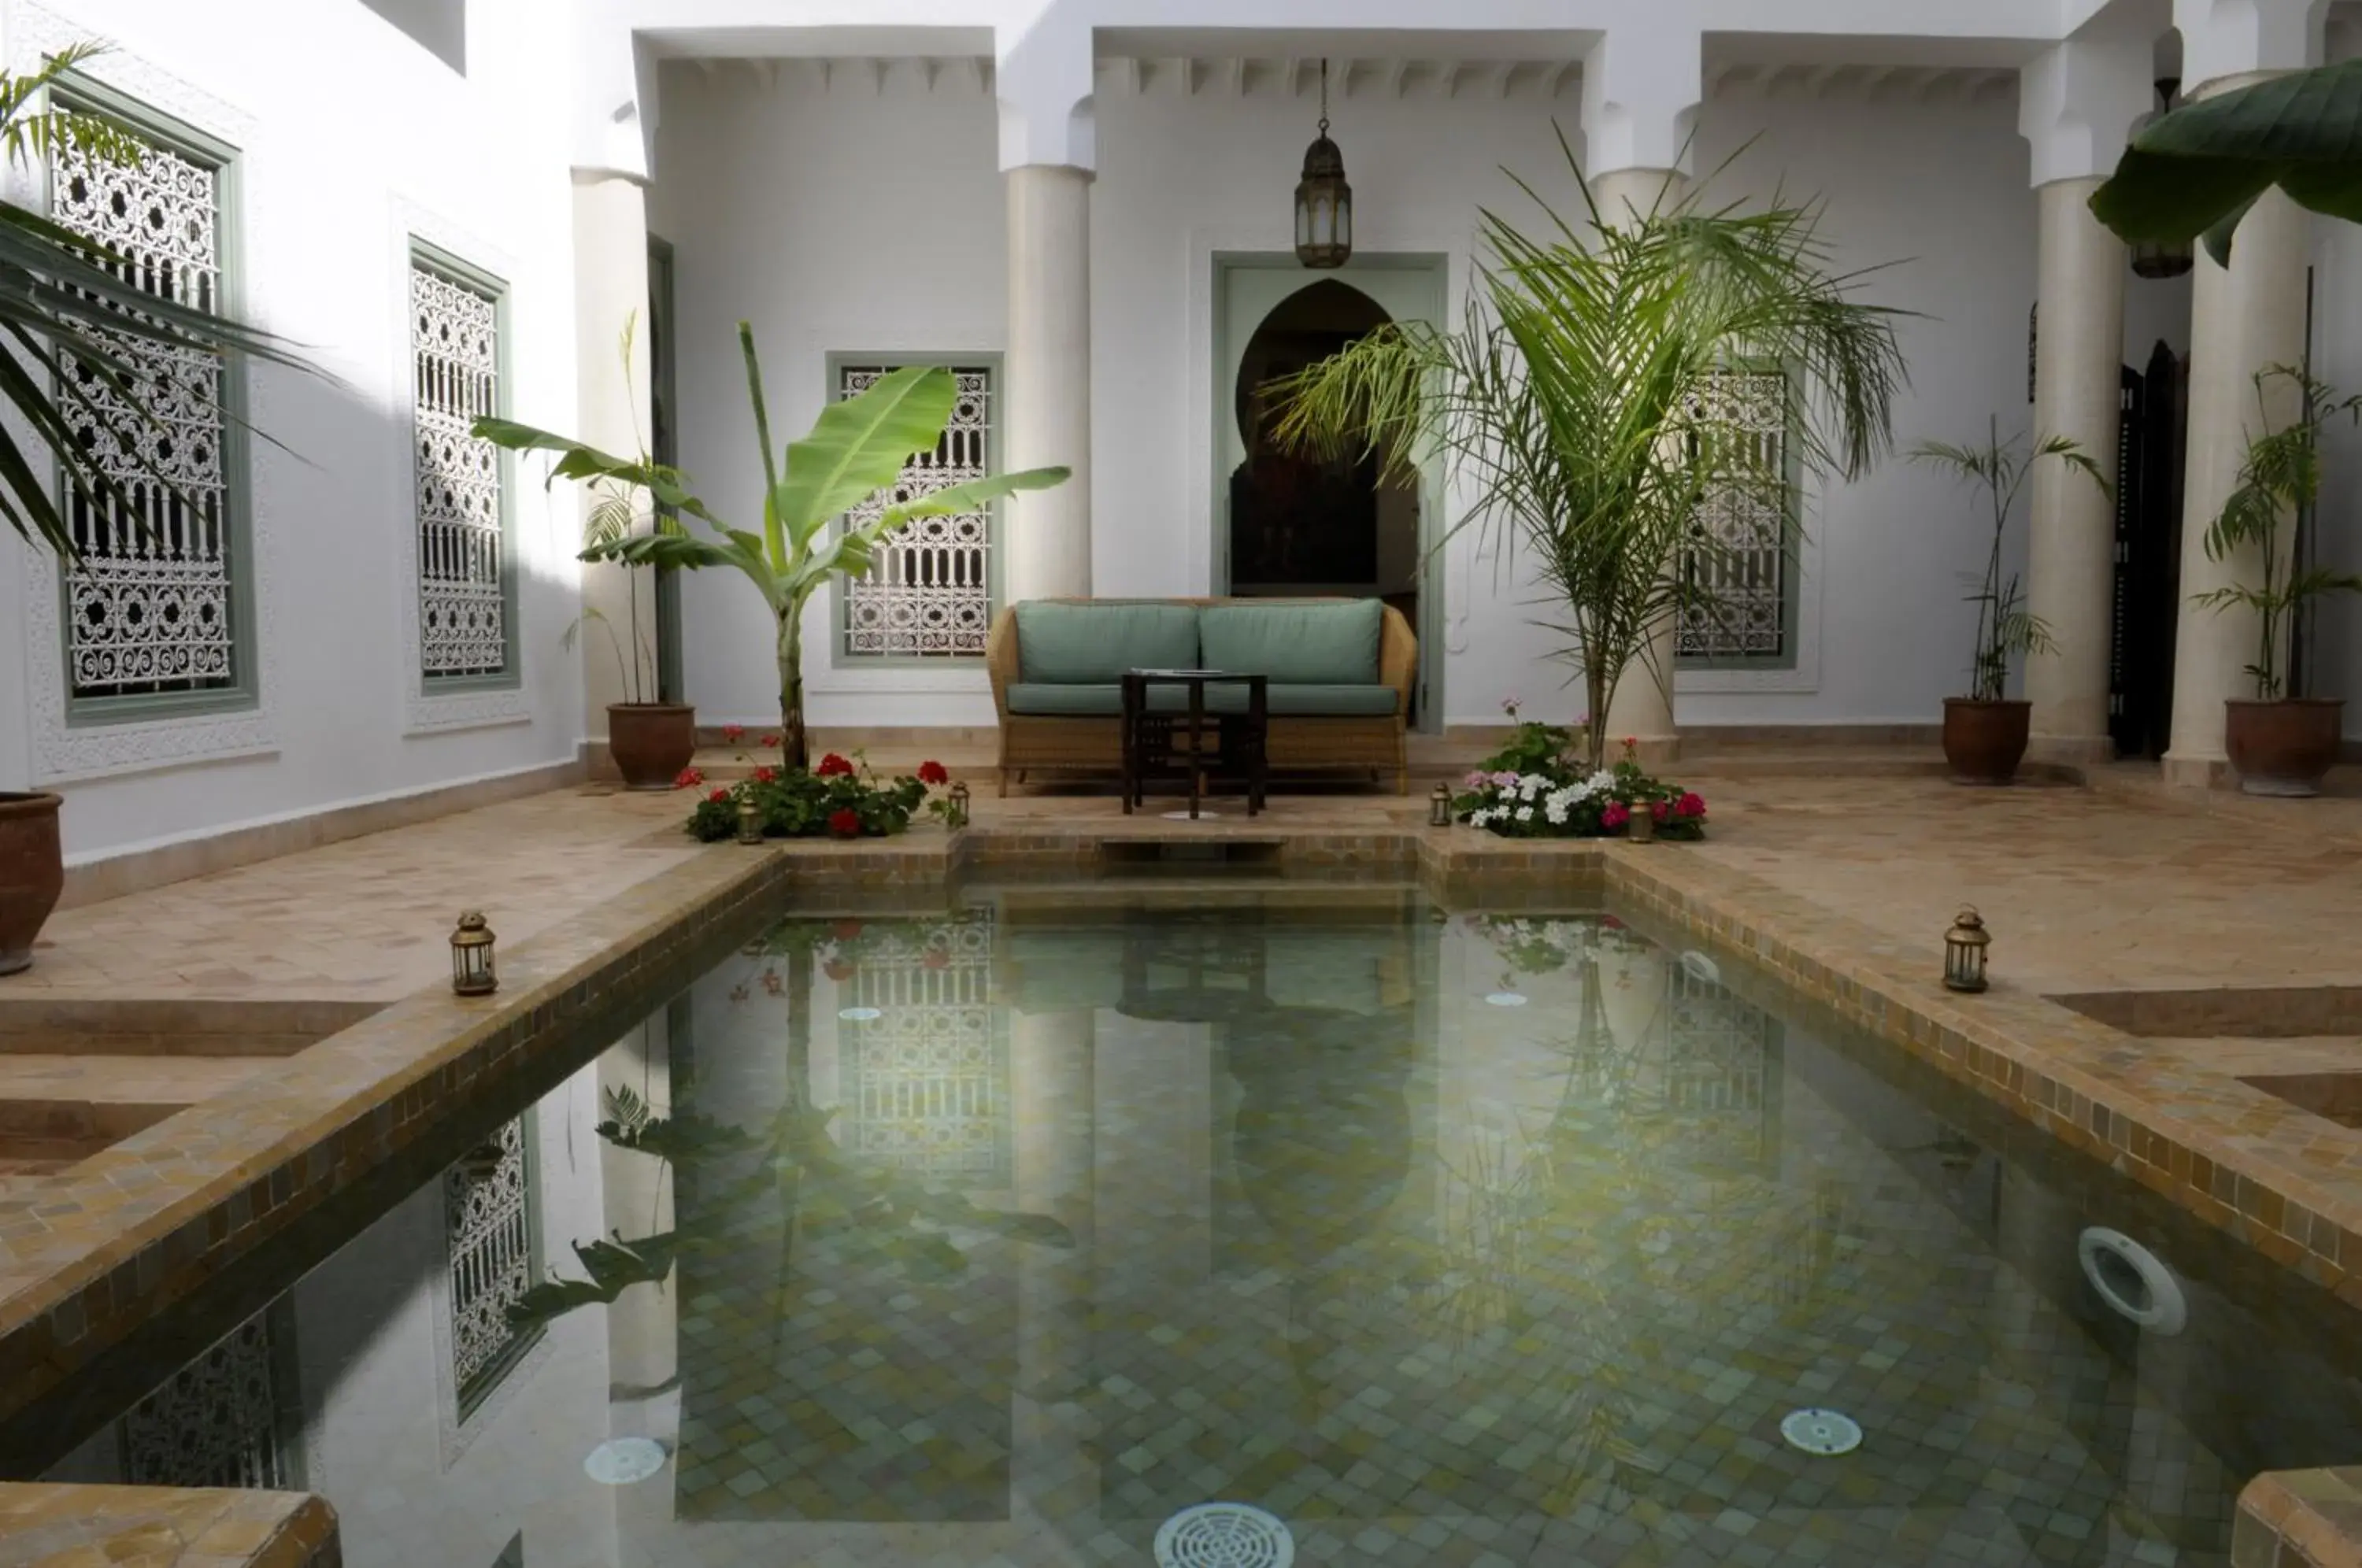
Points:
(76, 306)
(2278, 743)
(1985, 731)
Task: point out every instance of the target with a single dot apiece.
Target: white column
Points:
(1048, 151)
(1640, 97)
(610, 287)
(2077, 105)
(2243, 319)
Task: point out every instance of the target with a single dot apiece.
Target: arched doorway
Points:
(1301, 526)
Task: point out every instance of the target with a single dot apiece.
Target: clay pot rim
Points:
(652, 707)
(2284, 701)
(1988, 702)
(29, 802)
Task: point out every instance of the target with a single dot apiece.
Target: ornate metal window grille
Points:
(153, 602)
(1743, 601)
(488, 1223)
(221, 1420)
(928, 593)
(927, 1080)
(463, 567)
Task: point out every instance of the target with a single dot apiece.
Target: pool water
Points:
(1004, 1236)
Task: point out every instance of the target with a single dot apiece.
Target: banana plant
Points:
(855, 448)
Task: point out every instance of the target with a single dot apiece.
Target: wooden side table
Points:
(1191, 740)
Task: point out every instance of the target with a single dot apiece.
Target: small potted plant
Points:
(1985, 731)
(650, 739)
(2280, 743)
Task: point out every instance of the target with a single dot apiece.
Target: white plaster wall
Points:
(333, 163)
(867, 216)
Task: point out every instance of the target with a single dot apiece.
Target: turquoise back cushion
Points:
(1095, 644)
(1294, 644)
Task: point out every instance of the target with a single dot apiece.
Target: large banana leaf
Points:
(580, 460)
(2197, 169)
(857, 446)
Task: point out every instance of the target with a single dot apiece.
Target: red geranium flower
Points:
(844, 822)
(1691, 804)
(765, 774)
(845, 930)
(1616, 815)
(719, 796)
(769, 741)
(1610, 922)
(734, 734)
(1661, 809)
(688, 779)
(832, 765)
(837, 969)
(935, 958)
(932, 773)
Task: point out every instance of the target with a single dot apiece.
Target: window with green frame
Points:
(1743, 612)
(467, 571)
(931, 591)
(158, 606)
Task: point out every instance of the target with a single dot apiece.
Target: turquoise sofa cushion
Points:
(1062, 644)
(1105, 700)
(1295, 643)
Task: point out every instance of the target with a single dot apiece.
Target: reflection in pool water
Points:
(1005, 1235)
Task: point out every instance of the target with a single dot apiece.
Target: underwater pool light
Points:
(1701, 968)
(2132, 1280)
(620, 1461)
(858, 1014)
(1505, 998)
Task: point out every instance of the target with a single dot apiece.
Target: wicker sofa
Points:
(1338, 696)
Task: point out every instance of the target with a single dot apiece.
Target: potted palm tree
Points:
(855, 448)
(2280, 743)
(1577, 399)
(1985, 731)
(649, 739)
(79, 330)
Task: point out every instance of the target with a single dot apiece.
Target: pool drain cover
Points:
(1224, 1535)
(1824, 1433)
(619, 1461)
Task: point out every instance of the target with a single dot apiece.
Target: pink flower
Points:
(688, 779)
(1691, 804)
(846, 822)
(935, 958)
(1611, 922)
(1476, 780)
(833, 764)
(1505, 780)
(934, 773)
(1616, 815)
(734, 734)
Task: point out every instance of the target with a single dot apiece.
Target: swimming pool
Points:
(1011, 1233)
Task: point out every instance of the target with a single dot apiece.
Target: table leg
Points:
(1197, 743)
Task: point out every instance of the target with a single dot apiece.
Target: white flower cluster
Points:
(1518, 798)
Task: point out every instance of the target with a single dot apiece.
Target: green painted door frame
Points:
(1248, 286)
(665, 447)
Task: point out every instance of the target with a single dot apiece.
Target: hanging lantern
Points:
(956, 815)
(750, 820)
(1964, 953)
(2163, 257)
(471, 957)
(1438, 807)
(1324, 203)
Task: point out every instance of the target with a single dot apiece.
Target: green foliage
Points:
(2197, 169)
(2279, 476)
(2006, 630)
(855, 448)
(1533, 789)
(1573, 398)
(806, 804)
(69, 309)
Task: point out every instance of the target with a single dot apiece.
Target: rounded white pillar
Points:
(2243, 319)
(610, 287)
(1047, 405)
(2070, 571)
(1642, 706)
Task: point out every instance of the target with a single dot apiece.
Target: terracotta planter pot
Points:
(1984, 742)
(32, 874)
(2282, 748)
(651, 742)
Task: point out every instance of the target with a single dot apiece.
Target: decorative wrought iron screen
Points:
(217, 1421)
(928, 593)
(1740, 575)
(488, 1221)
(454, 355)
(927, 1083)
(150, 607)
